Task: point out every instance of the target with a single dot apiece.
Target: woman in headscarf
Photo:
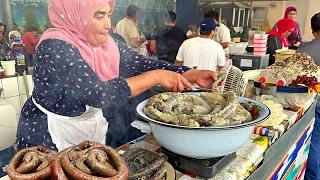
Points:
(266, 26)
(278, 39)
(4, 46)
(12, 35)
(5, 51)
(80, 69)
(295, 37)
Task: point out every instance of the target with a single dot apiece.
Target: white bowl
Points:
(203, 142)
(199, 144)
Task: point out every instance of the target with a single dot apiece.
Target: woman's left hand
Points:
(203, 78)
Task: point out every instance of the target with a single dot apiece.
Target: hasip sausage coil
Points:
(31, 163)
(91, 161)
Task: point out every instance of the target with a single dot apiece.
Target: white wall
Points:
(314, 7)
(306, 9)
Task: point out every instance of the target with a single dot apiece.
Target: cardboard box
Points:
(236, 40)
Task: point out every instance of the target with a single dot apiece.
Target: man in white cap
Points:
(202, 52)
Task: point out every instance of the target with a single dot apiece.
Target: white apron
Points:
(70, 131)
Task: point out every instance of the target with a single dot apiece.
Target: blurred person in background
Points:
(115, 35)
(223, 35)
(202, 52)
(5, 51)
(295, 38)
(193, 29)
(12, 35)
(128, 28)
(167, 40)
(4, 46)
(312, 48)
(29, 40)
(278, 39)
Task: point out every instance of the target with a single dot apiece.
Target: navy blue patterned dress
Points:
(65, 84)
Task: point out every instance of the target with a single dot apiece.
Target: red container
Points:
(260, 45)
(260, 41)
(260, 49)
(149, 49)
(259, 53)
(1, 73)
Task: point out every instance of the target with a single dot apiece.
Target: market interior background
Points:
(34, 12)
(26, 13)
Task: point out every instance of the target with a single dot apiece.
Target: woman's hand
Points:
(297, 44)
(172, 81)
(169, 80)
(203, 78)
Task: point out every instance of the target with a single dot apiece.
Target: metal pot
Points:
(203, 142)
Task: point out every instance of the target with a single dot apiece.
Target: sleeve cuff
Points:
(126, 89)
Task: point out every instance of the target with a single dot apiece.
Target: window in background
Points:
(259, 16)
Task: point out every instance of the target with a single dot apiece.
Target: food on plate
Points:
(89, 160)
(31, 163)
(298, 65)
(144, 164)
(207, 110)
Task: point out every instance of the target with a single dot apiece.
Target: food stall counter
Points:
(249, 61)
(285, 157)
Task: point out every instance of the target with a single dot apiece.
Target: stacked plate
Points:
(260, 44)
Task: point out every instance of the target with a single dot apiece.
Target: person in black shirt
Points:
(166, 41)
